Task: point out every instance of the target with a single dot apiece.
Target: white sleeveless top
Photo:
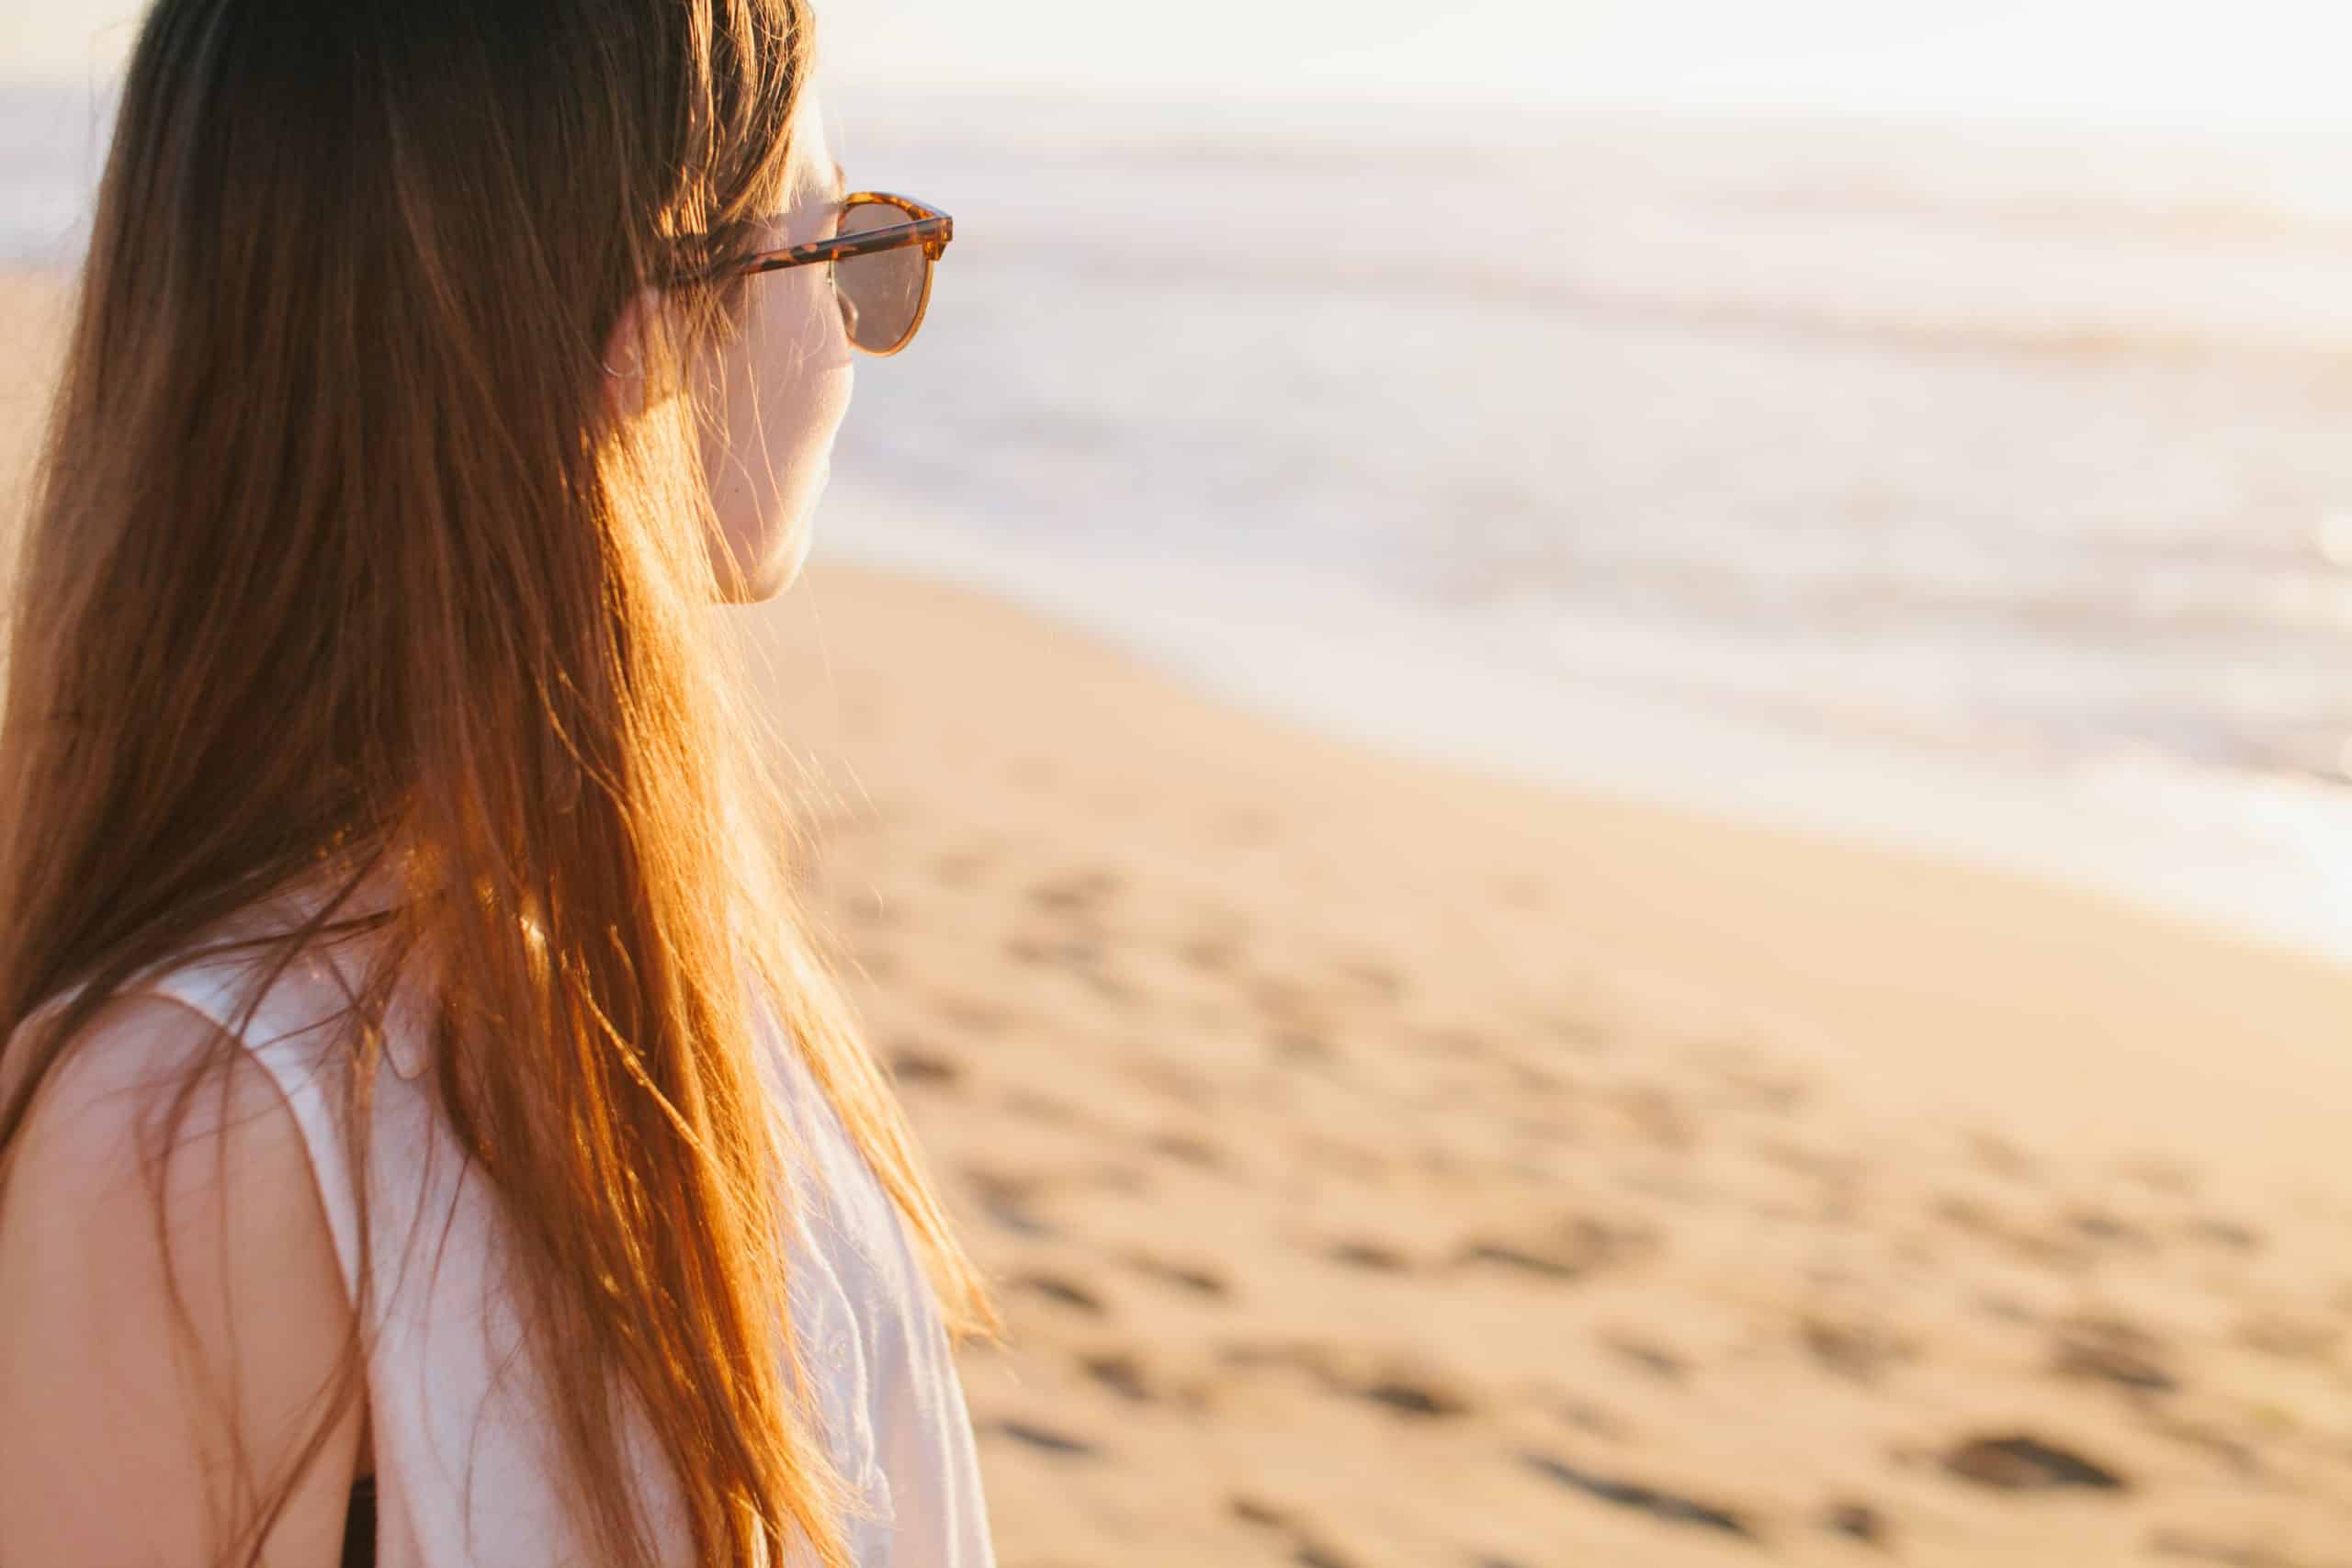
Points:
(465, 1455)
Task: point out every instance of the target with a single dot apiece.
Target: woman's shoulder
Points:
(131, 1070)
(151, 1108)
(161, 1247)
(213, 1065)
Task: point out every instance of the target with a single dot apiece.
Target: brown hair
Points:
(339, 566)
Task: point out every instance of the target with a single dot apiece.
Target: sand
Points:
(1384, 1165)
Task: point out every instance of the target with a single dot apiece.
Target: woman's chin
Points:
(789, 560)
(776, 572)
(747, 576)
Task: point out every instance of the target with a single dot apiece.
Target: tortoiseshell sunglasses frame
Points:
(926, 226)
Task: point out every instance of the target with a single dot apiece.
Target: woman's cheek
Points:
(803, 484)
(783, 390)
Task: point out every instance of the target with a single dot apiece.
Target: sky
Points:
(2193, 60)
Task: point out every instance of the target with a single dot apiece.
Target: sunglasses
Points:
(881, 261)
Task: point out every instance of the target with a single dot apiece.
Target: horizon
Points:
(2266, 64)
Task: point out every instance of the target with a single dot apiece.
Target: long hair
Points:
(341, 568)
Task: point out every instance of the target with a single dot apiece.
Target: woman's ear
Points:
(626, 355)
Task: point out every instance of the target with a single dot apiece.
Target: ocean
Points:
(1982, 488)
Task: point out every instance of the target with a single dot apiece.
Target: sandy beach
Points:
(1386, 1165)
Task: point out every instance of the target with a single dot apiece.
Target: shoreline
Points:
(2246, 857)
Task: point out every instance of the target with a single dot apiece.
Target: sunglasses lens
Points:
(880, 291)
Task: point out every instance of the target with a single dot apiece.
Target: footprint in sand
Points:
(913, 1064)
(2105, 1229)
(1997, 1155)
(1576, 1246)
(1407, 1386)
(1189, 1148)
(1120, 1372)
(1859, 1521)
(1185, 1085)
(1314, 1553)
(1009, 1201)
(1541, 1082)
(1979, 1221)
(1281, 1001)
(2162, 1175)
(1060, 1291)
(2002, 1306)
(1080, 893)
(1027, 951)
(2109, 1350)
(1044, 1438)
(1408, 1394)
(871, 909)
(1300, 1047)
(2023, 1462)
(2230, 1235)
(1550, 1264)
(1659, 1116)
(1648, 1355)
(1197, 1279)
(1210, 954)
(1081, 960)
(1859, 1352)
(1375, 1256)
(1671, 1507)
(1585, 1416)
(1307, 1551)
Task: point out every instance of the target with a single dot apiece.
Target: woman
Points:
(418, 1084)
